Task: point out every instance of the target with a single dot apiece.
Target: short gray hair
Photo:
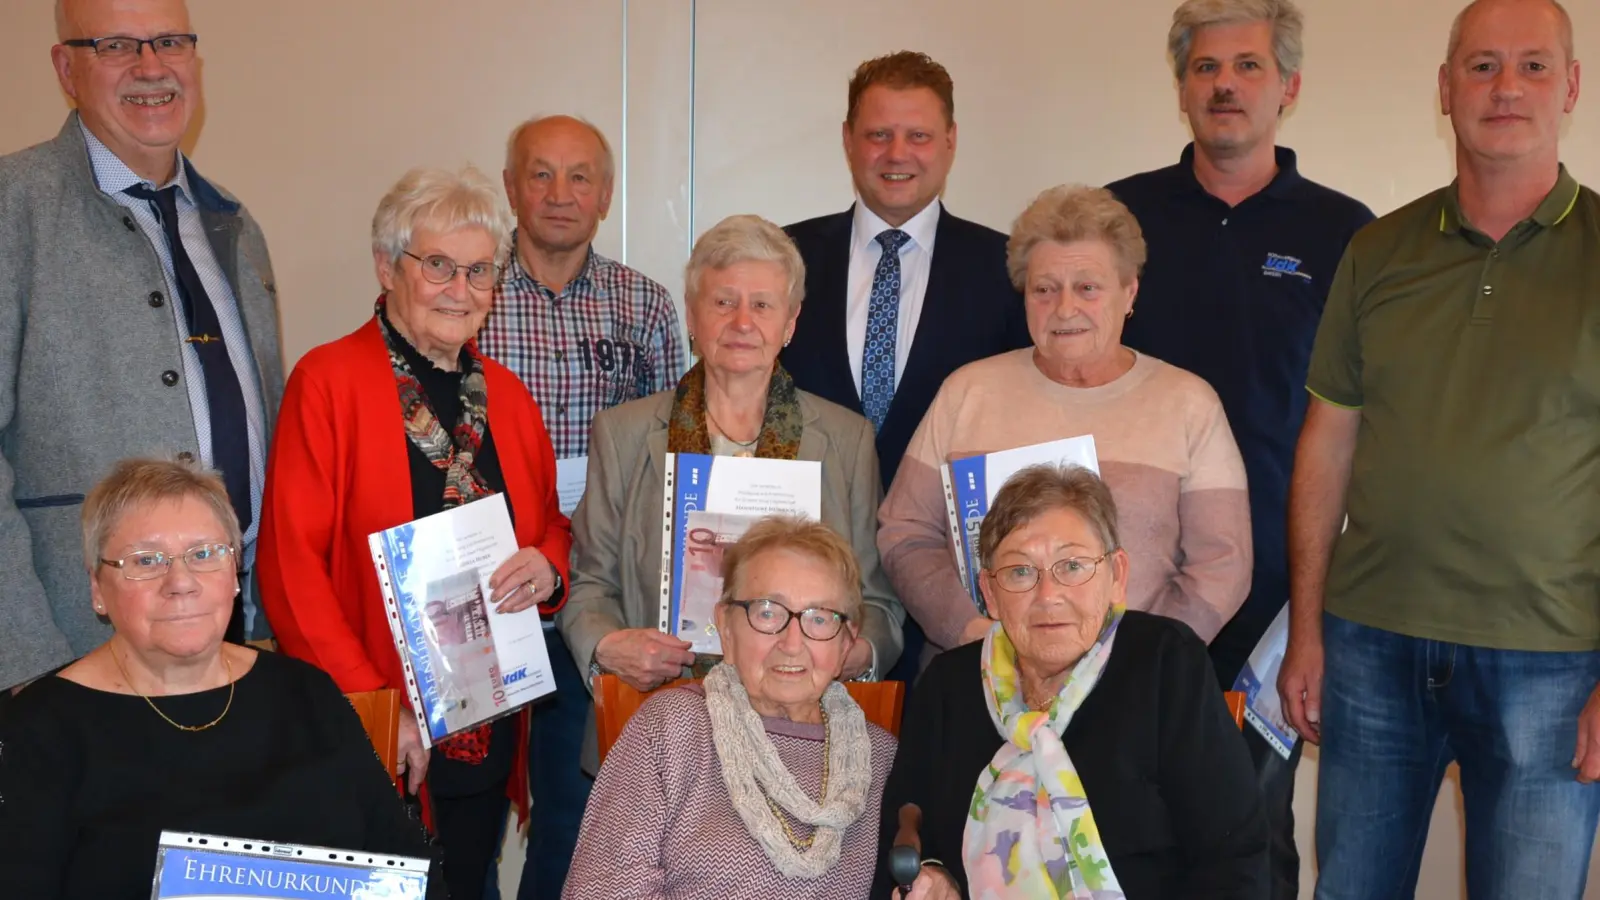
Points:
(608, 161)
(442, 201)
(738, 239)
(1039, 489)
(137, 483)
(806, 537)
(1461, 17)
(1287, 24)
(1072, 212)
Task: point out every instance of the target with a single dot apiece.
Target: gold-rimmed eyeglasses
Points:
(143, 565)
(1069, 572)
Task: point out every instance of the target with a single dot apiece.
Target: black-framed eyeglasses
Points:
(440, 269)
(1069, 572)
(771, 617)
(143, 565)
(123, 48)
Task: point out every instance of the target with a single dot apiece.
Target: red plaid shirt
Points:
(609, 337)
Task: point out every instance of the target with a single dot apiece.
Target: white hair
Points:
(1287, 24)
(738, 239)
(608, 162)
(443, 201)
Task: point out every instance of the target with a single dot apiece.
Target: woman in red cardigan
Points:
(401, 419)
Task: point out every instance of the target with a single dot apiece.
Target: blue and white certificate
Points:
(971, 483)
(209, 867)
(465, 662)
(1258, 681)
(708, 504)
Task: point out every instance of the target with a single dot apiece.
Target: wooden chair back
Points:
(615, 702)
(380, 715)
(1236, 706)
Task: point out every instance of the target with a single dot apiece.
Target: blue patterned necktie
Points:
(883, 313)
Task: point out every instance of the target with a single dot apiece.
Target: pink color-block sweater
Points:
(660, 824)
(1165, 451)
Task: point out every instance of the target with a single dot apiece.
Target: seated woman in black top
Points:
(1081, 750)
(165, 726)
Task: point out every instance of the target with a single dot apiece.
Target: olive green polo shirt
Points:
(1474, 500)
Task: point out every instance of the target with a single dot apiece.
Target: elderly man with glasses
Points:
(138, 315)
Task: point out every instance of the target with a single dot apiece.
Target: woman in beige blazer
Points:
(743, 287)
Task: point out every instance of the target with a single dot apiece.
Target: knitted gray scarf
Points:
(753, 772)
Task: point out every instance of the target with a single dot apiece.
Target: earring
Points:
(786, 341)
(99, 609)
(1129, 315)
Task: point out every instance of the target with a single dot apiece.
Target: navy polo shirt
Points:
(1234, 295)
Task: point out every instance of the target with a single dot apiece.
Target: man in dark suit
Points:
(899, 293)
(880, 330)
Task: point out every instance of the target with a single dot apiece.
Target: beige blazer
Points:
(616, 530)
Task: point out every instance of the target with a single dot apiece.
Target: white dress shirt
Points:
(916, 257)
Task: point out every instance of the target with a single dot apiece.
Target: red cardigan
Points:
(339, 471)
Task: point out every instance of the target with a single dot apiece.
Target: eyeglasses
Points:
(771, 617)
(122, 48)
(143, 565)
(440, 269)
(1069, 572)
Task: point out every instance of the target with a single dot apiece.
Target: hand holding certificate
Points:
(466, 661)
(1258, 681)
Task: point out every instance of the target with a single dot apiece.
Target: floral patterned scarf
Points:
(456, 452)
(1030, 833)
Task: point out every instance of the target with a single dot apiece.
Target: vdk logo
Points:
(1279, 265)
(515, 676)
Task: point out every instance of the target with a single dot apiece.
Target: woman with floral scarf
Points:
(1080, 750)
(401, 419)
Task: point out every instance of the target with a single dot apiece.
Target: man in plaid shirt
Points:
(584, 333)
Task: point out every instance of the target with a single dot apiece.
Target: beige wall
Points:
(725, 106)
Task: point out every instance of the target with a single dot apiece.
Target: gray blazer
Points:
(82, 352)
(616, 530)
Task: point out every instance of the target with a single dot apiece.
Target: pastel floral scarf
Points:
(1030, 833)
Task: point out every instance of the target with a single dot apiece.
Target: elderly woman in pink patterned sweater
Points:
(765, 779)
(1160, 432)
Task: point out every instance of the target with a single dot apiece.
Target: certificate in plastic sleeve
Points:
(210, 867)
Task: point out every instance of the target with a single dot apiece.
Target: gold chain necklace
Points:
(827, 745)
(211, 724)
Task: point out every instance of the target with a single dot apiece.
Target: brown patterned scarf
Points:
(456, 453)
(780, 428)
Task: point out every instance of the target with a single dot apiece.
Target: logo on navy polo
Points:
(1280, 266)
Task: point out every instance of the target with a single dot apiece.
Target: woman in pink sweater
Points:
(765, 779)
(1160, 433)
